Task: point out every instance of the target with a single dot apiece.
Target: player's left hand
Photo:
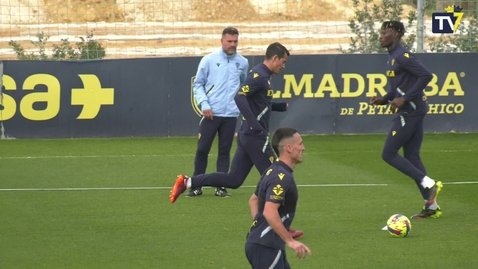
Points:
(301, 250)
(397, 103)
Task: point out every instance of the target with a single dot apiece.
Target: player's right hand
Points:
(375, 101)
(207, 114)
(300, 249)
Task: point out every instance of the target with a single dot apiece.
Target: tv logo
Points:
(447, 23)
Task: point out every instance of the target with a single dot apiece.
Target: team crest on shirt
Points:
(238, 65)
(244, 90)
(278, 190)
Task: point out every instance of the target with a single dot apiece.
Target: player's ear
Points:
(289, 148)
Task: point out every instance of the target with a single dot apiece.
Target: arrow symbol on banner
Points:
(91, 97)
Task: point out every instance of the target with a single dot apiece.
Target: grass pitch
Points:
(103, 203)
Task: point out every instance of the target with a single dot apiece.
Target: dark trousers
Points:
(251, 151)
(407, 133)
(262, 257)
(225, 128)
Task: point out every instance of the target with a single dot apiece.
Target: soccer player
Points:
(278, 196)
(218, 78)
(254, 101)
(407, 78)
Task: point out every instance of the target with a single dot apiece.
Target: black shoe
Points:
(221, 192)
(428, 213)
(194, 193)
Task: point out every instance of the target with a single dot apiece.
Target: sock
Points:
(188, 182)
(427, 182)
(433, 206)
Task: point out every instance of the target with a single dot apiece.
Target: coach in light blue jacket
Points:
(218, 79)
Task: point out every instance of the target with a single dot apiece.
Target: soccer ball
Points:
(399, 225)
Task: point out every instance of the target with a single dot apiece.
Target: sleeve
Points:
(389, 96)
(253, 84)
(277, 188)
(424, 76)
(256, 192)
(263, 175)
(200, 84)
(279, 106)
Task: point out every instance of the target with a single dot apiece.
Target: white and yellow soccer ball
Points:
(399, 225)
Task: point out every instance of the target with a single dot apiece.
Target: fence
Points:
(138, 28)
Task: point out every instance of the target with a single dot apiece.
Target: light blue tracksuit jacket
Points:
(217, 81)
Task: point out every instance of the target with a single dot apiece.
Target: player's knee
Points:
(413, 158)
(224, 154)
(235, 185)
(387, 156)
(236, 181)
(224, 150)
(202, 152)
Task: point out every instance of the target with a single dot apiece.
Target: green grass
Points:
(141, 229)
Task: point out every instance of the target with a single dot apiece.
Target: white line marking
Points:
(89, 156)
(167, 188)
(192, 155)
(163, 188)
(460, 182)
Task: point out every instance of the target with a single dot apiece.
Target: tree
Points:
(367, 20)
(369, 16)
